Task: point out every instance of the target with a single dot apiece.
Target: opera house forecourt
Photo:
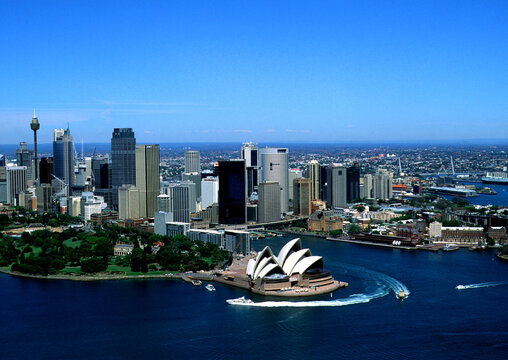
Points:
(294, 272)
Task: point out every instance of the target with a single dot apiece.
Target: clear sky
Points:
(179, 71)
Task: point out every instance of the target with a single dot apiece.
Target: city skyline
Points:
(290, 71)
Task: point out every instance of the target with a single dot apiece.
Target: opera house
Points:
(293, 272)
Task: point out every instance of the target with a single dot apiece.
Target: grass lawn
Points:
(72, 244)
(71, 269)
(128, 271)
(6, 268)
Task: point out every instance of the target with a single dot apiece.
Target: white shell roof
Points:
(266, 270)
(250, 266)
(264, 262)
(304, 264)
(294, 258)
(294, 245)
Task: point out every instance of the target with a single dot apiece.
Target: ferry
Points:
(210, 287)
(450, 247)
(239, 301)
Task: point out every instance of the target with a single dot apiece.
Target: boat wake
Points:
(384, 284)
(480, 285)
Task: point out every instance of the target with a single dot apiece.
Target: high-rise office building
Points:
(314, 174)
(163, 203)
(367, 187)
(180, 199)
(268, 202)
(382, 185)
(123, 161)
(274, 167)
(209, 191)
(101, 178)
(192, 161)
(237, 241)
(195, 178)
(147, 178)
(336, 186)
(45, 170)
(353, 182)
(292, 175)
(25, 157)
(128, 202)
(250, 155)
(63, 156)
(44, 193)
(16, 182)
(302, 202)
(232, 192)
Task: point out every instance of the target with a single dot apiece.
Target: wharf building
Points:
(207, 236)
(237, 241)
(268, 202)
(250, 155)
(123, 161)
(314, 174)
(274, 167)
(232, 192)
(336, 186)
(63, 156)
(462, 235)
(293, 268)
(302, 203)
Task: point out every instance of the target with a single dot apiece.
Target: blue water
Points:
(170, 319)
(501, 199)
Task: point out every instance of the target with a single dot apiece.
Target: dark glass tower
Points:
(232, 192)
(123, 160)
(353, 183)
(63, 156)
(45, 170)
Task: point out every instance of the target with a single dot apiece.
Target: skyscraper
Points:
(268, 202)
(301, 197)
(353, 183)
(16, 182)
(147, 178)
(45, 170)
(314, 173)
(123, 160)
(367, 186)
(232, 192)
(63, 156)
(274, 167)
(336, 186)
(250, 155)
(382, 185)
(192, 161)
(25, 157)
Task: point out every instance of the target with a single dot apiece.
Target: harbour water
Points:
(171, 319)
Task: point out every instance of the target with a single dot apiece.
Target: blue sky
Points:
(263, 71)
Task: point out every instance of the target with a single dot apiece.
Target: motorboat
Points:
(196, 282)
(450, 247)
(239, 301)
(401, 295)
(460, 287)
(210, 287)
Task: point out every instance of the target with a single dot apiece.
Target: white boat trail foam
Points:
(384, 284)
(480, 285)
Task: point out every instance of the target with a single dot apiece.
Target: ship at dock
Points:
(496, 178)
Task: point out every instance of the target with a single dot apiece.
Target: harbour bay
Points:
(172, 319)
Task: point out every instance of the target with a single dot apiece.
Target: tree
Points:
(136, 256)
(93, 265)
(354, 229)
